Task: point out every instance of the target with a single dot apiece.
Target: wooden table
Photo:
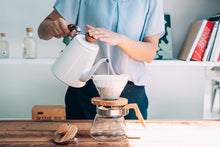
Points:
(157, 133)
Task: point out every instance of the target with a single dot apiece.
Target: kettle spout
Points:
(88, 74)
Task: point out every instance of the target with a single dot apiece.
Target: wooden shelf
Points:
(182, 63)
(153, 63)
(27, 61)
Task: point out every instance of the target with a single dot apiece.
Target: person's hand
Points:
(105, 35)
(58, 28)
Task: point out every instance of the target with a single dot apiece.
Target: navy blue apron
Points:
(79, 106)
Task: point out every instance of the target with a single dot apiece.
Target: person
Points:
(127, 32)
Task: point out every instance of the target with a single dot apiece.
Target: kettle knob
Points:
(89, 38)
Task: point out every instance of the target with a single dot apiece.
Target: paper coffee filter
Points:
(110, 86)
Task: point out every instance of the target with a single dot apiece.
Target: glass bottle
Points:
(29, 45)
(4, 46)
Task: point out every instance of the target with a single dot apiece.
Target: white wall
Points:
(183, 13)
(16, 15)
(176, 91)
(25, 83)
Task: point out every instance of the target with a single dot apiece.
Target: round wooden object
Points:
(89, 38)
(119, 102)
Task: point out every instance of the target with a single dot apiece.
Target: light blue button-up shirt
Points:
(134, 18)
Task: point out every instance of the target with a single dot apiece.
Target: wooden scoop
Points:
(62, 129)
(65, 133)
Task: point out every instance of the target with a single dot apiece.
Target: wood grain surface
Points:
(163, 133)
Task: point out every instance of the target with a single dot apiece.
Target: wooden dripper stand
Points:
(123, 104)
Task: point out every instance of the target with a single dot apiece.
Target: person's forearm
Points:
(43, 32)
(142, 51)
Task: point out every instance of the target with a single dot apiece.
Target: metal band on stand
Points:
(111, 112)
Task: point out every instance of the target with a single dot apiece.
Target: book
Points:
(218, 58)
(208, 51)
(165, 48)
(210, 45)
(216, 46)
(192, 39)
(202, 42)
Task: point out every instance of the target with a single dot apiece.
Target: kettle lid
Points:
(88, 45)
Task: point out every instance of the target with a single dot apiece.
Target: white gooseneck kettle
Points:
(75, 64)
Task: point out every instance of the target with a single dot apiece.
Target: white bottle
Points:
(4, 46)
(29, 45)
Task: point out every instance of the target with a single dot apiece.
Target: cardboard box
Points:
(48, 112)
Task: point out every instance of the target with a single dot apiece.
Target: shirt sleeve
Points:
(68, 9)
(154, 23)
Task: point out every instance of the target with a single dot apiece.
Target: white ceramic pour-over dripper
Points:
(110, 86)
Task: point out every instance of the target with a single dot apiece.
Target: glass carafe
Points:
(109, 124)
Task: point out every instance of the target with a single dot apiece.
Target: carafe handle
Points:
(137, 112)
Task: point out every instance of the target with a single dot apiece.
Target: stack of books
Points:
(202, 42)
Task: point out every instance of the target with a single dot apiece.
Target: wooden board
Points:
(48, 112)
(156, 133)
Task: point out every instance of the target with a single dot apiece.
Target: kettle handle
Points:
(137, 112)
(72, 27)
